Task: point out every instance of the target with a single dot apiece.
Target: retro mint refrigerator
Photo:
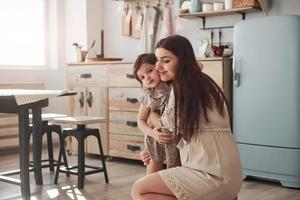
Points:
(266, 97)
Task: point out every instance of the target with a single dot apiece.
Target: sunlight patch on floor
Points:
(75, 194)
(52, 193)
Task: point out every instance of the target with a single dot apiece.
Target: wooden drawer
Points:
(87, 75)
(215, 70)
(126, 146)
(123, 123)
(124, 99)
(122, 76)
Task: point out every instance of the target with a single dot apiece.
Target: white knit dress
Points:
(211, 167)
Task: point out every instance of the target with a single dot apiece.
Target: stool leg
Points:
(81, 162)
(50, 150)
(30, 135)
(37, 144)
(59, 160)
(102, 157)
(57, 129)
(64, 156)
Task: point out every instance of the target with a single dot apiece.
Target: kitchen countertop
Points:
(99, 63)
(130, 62)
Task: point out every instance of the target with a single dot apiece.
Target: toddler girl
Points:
(153, 99)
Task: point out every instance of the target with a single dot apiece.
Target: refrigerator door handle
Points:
(236, 75)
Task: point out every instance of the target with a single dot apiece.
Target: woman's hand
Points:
(162, 136)
(145, 157)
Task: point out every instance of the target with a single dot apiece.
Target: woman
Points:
(211, 168)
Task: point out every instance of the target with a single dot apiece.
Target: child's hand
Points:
(161, 137)
(145, 157)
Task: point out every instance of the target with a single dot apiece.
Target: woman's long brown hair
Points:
(195, 92)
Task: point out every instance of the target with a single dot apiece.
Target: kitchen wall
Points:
(117, 45)
(82, 20)
(104, 15)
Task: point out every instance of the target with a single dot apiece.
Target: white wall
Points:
(81, 21)
(83, 24)
(94, 25)
(56, 72)
(75, 27)
(105, 15)
(117, 45)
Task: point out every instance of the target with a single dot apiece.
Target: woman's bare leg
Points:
(151, 187)
(153, 167)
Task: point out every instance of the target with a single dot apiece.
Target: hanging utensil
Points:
(218, 50)
(220, 35)
(211, 37)
(209, 50)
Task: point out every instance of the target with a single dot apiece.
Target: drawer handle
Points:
(81, 99)
(130, 123)
(131, 76)
(85, 75)
(132, 100)
(133, 147)
(89, 99)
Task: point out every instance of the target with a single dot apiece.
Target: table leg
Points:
(37, 144)
(24, 153)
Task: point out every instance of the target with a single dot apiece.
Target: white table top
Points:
(49, 116)
(23, 96)
(79, 120)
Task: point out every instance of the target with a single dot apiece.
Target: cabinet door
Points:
(96, 105)
(214, 69)
(77, 103)
(77, 106)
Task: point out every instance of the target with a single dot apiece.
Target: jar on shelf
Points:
(228, 4)
(195, 6)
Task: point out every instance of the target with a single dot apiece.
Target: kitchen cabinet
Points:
(91, 100)
(125, 139)
(114, 92)
(220, 69)
(107, 89)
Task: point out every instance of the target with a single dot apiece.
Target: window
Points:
(22, 33)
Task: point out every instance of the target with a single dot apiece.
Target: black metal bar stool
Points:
(48, 128)
(81, 132)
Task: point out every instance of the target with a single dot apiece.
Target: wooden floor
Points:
(122, 174)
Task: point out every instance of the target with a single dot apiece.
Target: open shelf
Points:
(203, 15)
(220, 13)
